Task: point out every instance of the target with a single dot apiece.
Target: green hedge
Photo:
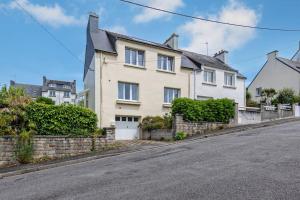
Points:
(62, 119)
(212, 110)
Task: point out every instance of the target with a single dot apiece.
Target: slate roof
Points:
(103, 40)
(292, 64)
(59, 85)
(32, 90)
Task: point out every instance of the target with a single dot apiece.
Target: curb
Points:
(187, 141)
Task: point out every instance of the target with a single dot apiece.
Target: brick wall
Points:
(51, 147)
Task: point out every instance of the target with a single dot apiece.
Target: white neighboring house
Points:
(277, 73)
(59, 91)
(215, 79)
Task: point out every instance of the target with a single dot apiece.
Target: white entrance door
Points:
(297, 111)
(127, 128)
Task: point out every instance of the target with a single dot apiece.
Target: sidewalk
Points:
(128, 147)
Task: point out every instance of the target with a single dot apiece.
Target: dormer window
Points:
(66, 86)
(52, 85)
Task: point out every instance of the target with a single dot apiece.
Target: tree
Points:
(268, 95)
(286, 96)
(249, 101)
(45, 100)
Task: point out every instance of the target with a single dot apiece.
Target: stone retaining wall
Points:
(51, 147)
(160, 134)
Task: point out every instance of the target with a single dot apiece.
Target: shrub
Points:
(180, 135)
(286, 96)
(212, 110)
(252, 103)
(62, 119)
(150, 123)
(45, 100)
(24, 147)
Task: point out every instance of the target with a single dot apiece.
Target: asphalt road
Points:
(256, 164)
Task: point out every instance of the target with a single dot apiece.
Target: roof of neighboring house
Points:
(59, 85)
(290, 63)
(31, 90)
(103, 40)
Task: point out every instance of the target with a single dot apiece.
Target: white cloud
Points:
(221, 36)
(118, 29)
(52, 15)
(148, 15)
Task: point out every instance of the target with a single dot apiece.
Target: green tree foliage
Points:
(249, 101)
(212, 110)
(150, 123)
(62, 119)
(286, 96)
(45, 100)
(268, 95)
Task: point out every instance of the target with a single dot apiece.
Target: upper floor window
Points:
(128, 91)
(170, 94)
(229, 79)
(134, 57)
(209, 76)
(165, 63)
(52, 93)
(66, 94)
(52, 85)
(258, 91)
(66, 86)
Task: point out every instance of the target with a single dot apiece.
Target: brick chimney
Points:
(93, 22)
(172, 41)
(222, 55)
(272, 55)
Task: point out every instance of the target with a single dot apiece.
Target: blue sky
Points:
(27, 52)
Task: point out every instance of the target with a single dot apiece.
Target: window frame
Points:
(229, 74)
(123, 98)
(205, 77)
(258, 94)
(52, 95)
(166, 92)
(137, 53)
(166, 58)
(52, 85)
(67, 96)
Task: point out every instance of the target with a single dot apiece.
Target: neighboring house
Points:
(126, 79)
(277, 73)
(59, 91)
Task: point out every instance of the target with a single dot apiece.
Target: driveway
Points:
(256, 164)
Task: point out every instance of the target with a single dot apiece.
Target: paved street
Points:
(255, 164)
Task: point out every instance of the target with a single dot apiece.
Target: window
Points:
(165, 63)
(66, 86)
(52, 93)
(52, 85)
(229, 79)
(258, 92)
(209, 76)
(66, 94)
(170, 94)
(136, 119)
(128, 91)
(134, 57)
(117, 119)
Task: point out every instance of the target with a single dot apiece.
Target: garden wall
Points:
(51, 147)
(160, 134)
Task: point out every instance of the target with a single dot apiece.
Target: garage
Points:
(127, 127)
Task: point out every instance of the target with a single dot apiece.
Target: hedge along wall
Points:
(212, 110)
(62, 119)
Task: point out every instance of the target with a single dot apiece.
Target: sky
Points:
(53, 43)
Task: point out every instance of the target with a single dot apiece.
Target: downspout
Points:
(194, 73)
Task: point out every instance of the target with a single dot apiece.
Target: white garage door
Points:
(127, 127)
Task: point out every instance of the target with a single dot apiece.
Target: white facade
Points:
(201, 89)
(60, 97)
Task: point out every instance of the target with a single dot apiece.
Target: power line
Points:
(210, 20)
(50, 34)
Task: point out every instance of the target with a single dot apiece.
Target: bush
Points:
(286, 96)
(24, 147)
(45, 100)
(150, 123)
(212, 110)
(180, 135)
(62, 119)
(252, 103)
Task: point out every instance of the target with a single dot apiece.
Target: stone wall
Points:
(249, 116)
(51, 147)
(160, 134)
(193, 128)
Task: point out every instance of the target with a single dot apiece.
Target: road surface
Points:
(256, 164)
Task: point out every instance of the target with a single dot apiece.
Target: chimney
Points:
(172, 41)
(272, 54)
(222, 55)
(44, 80)
(93, 22)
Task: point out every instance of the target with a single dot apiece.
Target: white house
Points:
(277, 73)
(127, 79)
